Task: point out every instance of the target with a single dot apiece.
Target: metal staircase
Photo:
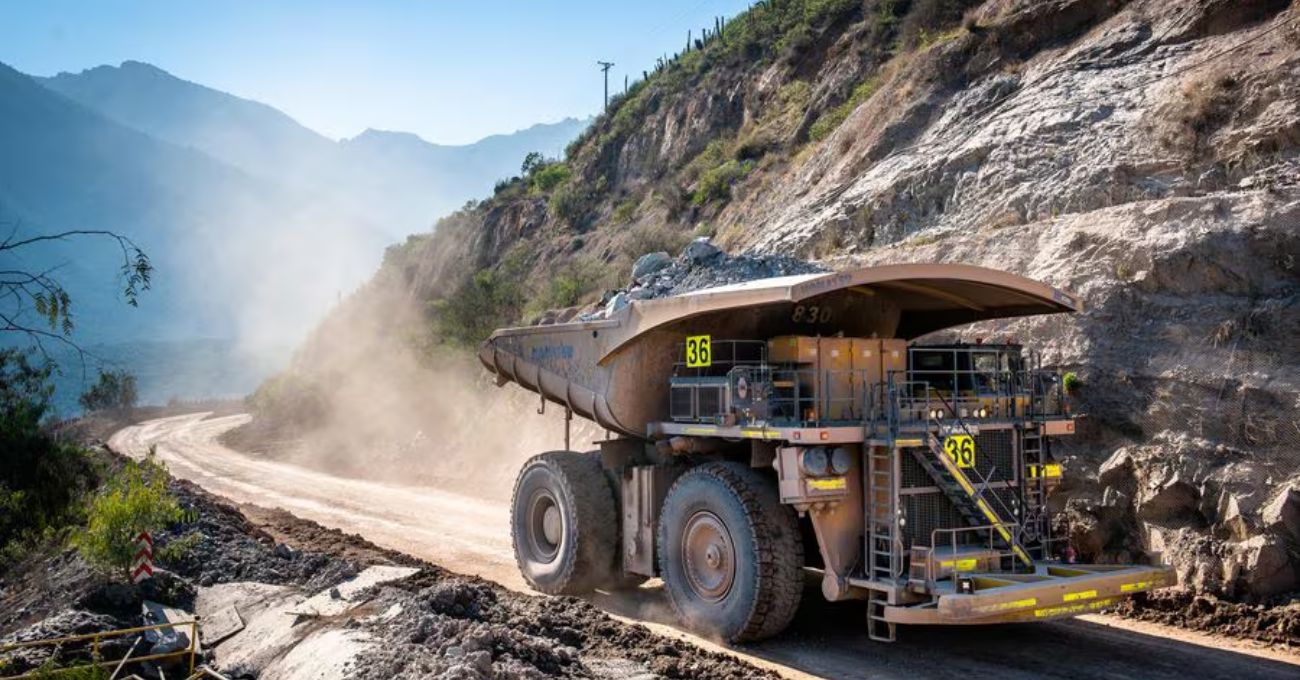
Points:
(969, 497)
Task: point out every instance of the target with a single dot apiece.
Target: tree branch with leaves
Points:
(25, 293)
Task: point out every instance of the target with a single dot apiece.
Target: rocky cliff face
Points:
(1144, 154)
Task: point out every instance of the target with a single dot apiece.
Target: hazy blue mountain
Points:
(246, 134)
(398, 180)
(237, 255)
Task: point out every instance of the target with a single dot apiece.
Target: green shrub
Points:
(42, 480)
(573, 203)
(484, 301)
(1071, 382)
(715, 153)
(133, 500)
(715, 185)
(179, 548)
(569, 285)
(533, 161)
(549, 176)
(53, 670)
(625, 212)
(115, 391)
(828, 122)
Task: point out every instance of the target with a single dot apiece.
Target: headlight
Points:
(814, 462)
(983, 413)
(841, 459)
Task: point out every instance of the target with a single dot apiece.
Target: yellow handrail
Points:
(95, 638)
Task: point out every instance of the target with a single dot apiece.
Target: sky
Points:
(451, 72)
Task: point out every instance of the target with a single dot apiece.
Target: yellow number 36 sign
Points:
(699, 353)
(961, 449)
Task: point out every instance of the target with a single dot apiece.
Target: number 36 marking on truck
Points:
(699, 352)
(961, 449)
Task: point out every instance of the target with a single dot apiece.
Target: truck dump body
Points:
(923, 471)
(611, 370)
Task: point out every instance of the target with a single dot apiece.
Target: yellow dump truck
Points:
(762, 429)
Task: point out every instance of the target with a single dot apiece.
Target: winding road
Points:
(471, 536)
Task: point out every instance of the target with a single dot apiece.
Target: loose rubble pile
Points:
(433, 624)
(464, 628)
(1276, 621)
(701, 265)
(1226, 519)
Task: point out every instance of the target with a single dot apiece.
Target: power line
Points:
(605, 69)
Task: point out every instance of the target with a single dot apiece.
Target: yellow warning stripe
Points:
(701, 430)
(1004, 606)
(961, 565)
(1079, 595)
(1073, 608)
(1139, 585)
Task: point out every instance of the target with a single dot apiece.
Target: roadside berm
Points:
(278, 597)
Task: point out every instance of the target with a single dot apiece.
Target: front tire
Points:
(564, 524)
(730, 554)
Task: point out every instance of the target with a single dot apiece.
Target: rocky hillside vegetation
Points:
(1142, 153)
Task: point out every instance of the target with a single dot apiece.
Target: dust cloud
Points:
(371, 395)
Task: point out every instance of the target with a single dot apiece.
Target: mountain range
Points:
(394, 179)
(256, 223)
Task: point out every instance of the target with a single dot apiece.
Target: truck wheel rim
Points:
(546, 525)
(708, 556)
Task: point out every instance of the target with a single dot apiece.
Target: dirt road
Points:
(471, 536)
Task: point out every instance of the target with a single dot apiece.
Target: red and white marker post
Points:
(142, 563)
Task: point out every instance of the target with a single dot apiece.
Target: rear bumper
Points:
(1052, 591)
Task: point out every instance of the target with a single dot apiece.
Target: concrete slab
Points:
(277, 634)
(323, 656)
(220, 625)
(347, 595)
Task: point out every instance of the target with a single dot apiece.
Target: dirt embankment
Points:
(449, 625)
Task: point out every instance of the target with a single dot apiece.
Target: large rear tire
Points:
(564, 524)
(730, 554)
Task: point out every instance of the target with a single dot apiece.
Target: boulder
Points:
(1282, 514)
(700, 251)
(1263, 567)
(616, 303)
(647, 265)
(1171, 502)
(1232, 522)
(1117, 471)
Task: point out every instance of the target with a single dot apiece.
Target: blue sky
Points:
(452, 72)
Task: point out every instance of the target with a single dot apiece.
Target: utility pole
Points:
(604, 67)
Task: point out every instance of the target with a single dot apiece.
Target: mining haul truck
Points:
(760, 430)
